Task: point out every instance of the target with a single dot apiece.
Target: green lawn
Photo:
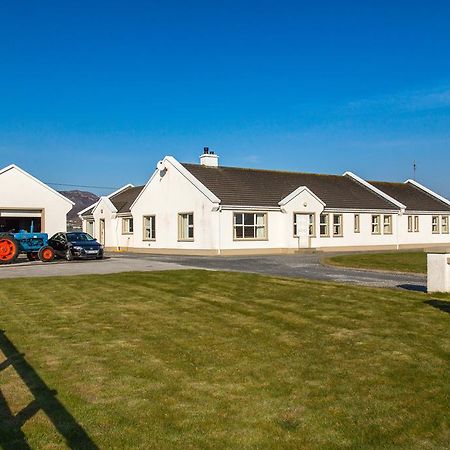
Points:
(199, 359)
(396, 262)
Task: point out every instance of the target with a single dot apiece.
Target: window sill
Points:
(149, 240)
(185, 240)
(127, 234)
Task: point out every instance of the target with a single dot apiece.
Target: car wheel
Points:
(69, 255)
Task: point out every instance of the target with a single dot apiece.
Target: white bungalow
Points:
(24, 200)
(206, 209)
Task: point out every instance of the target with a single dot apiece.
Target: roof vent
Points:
(209, 158)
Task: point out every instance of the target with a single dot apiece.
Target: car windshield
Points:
(77, 237)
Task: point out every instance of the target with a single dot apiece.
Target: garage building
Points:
(25, 201)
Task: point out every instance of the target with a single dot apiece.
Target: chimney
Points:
(208, 158)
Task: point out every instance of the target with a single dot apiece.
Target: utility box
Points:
(438, 271)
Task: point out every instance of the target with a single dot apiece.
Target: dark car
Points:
(76, 244)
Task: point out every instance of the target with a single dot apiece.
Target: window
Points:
(356, 224)
(410, 224)
(186, 227)
(127, 225)
(387, 224)
(337, 225)
(444, 224)
(311, 227)
(416, 224)
(435, 224)
(90, 227)
(376, 229)
(149, 228)
(250, 226)
(324, 225)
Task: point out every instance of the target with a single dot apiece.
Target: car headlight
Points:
(77, 248)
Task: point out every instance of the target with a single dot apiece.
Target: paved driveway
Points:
(297, 266)
(61, 268)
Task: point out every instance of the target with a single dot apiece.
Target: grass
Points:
(196, 359)
(413, 262)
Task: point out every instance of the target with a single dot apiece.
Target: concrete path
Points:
(296, 266)
(90, 267)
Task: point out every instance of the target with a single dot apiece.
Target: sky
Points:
(94, 93)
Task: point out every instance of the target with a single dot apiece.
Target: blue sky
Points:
(95, 92)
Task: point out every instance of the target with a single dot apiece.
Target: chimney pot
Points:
(205, 150)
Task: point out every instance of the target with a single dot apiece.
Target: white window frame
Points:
(255, 225)
(387, 225)
(445, 224)
(149, 227)
(376, 224)
(127, 225)
(410, 224)
(185, 228)
(435, 224)
(325, 224)
(338, 227)
(90, 227)
(312, 224)
(416, 224)
(357, 223)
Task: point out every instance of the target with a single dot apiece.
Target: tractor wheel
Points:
(32, 256)
(9, 249)
(46, 254)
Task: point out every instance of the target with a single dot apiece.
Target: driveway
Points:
(114, 264)
(296, 266)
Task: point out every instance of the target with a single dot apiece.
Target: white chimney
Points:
(209, 159)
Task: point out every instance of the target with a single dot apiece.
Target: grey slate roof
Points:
(124, 199)
(265, 188)
(414, 198)
(89, 211)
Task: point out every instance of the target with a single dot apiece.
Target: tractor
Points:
(35, 245)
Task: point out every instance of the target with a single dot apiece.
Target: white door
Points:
(303, 230)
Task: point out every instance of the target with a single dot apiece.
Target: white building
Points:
(208, 209)
(24, 200)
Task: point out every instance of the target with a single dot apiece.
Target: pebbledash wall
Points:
(172, 190)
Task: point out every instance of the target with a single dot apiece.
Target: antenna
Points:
(414, 170)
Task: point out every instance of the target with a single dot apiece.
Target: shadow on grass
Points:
(45, 399)
(413, 287)
(439, 304)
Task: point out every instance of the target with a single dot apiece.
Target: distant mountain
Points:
(82, 200)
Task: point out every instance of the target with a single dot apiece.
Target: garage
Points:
(26, 202)
(12, 221)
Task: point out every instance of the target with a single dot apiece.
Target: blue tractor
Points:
(35, 245)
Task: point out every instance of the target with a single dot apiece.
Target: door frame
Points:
(101, 232)
(303, 240)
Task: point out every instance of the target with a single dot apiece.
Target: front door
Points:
(102, 232)
(302, 221)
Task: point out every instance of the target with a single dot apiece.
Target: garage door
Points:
(13, 220)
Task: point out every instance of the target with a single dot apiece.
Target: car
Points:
(75, 245)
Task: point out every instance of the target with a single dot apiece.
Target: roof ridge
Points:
(266, 170)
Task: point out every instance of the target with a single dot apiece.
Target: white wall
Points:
(20, 191)
(168, 194)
